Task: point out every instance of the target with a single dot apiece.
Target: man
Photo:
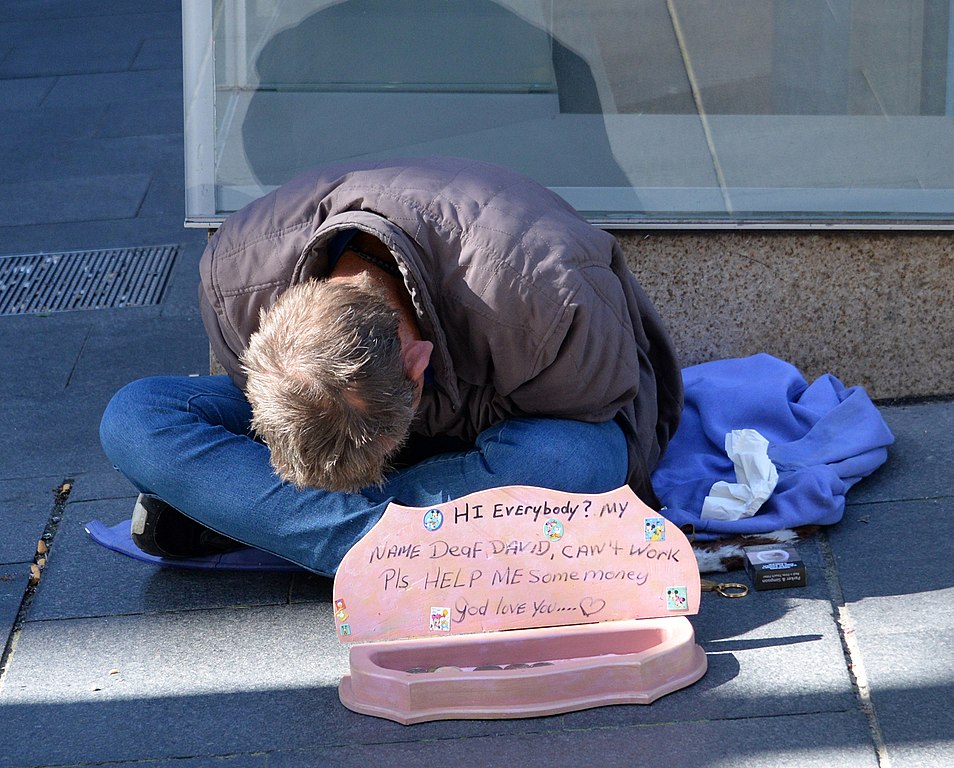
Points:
(410, 331)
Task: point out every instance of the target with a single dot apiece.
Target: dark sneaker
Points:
(161, 530)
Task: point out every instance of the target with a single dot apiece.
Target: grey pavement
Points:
(111, 661)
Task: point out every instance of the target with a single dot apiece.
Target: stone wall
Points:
(874, 309)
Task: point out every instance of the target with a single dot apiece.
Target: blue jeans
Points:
(188, 441)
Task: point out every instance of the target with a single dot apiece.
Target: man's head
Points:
(332, 391)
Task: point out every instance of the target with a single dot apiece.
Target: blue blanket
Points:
(823, 438)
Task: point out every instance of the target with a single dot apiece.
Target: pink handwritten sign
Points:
(510, 558)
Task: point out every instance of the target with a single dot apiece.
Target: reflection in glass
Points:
(637, 111)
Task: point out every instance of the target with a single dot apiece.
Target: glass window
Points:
(638, 112)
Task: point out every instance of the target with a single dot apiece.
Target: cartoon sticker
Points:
(676, 599)
(341, 615)
(440, 620)
(339, 604)
(433, 519)
(345, 630)
(553, 529)
(655, 528)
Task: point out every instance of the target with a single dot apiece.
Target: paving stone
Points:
(919, 462)
(48, 125)
(102, 483)
(894, 567)
(90, 158)
(73, 199)
(43, 365)
(220, 681)
(912, 687)
(759, 651)
(228, 760)
(62, 14)
(165, 197)
(167, 346)
(159, 53)
(69, 53)
(798, 742)
(23, 93)
(83, 578)
(54, 434)
(144, 118)
(180, 300)
(107, 87)
(34, 446)
(68, 236)
(13, 583)
(71, 31)
(25, 507)
(898, 586)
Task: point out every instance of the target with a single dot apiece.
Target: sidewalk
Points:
(114, 661)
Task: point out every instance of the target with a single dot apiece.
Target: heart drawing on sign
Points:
(590, 606)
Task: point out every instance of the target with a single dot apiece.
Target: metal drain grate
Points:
(61, 282)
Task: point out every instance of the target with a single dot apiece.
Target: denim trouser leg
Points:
(187, 440)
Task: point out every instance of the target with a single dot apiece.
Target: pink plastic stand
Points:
(595, 588)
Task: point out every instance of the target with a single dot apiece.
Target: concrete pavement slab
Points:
(786, 742)
(164, 199)
(39, 353)
(894, 565)
(13, 583)
(24, 93)
(98, 369)
(70, 21)
(219, 681)
(34, 443)
(102, 483)
(25, 161)
(758, 653)
(50, 125)
(214, 761)
(84, 579)
(26, 504)
(160, 53)
(79, 198)
(180, 300)
(110, 87)
(919, 462)
(69, 52)
(53, 434)
(895, 574)
(912, 687)
(143, 118)
(68, 236)
(60, 11)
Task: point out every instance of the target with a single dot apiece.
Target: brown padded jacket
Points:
(532, 311)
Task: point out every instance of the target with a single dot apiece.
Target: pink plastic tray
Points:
(524, 672)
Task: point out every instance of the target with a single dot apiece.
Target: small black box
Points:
(774, 566)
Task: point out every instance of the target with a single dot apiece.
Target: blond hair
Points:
(327, 385)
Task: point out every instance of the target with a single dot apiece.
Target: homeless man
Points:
(408, 331)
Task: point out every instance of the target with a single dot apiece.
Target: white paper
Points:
(755, 475)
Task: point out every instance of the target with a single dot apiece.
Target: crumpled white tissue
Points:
(755, 474)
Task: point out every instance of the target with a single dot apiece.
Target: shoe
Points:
(163, 531)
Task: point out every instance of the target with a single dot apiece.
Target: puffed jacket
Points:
(532, 310)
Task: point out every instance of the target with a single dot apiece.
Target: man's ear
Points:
(416, 355)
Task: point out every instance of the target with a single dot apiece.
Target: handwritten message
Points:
(513, 557)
